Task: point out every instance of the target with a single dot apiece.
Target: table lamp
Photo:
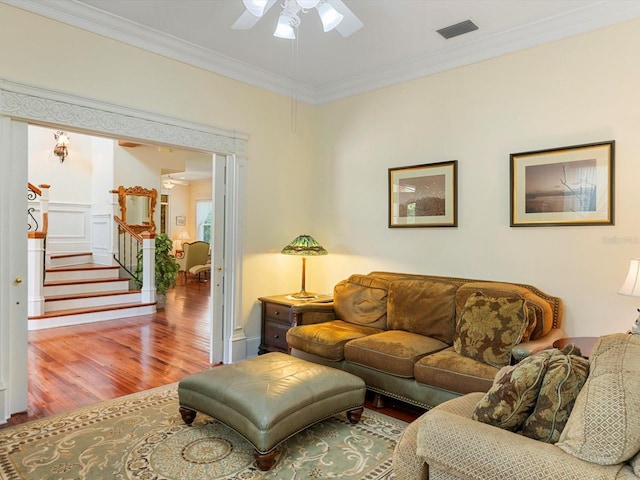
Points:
(305, 246)
(182, 239)
(631, 287)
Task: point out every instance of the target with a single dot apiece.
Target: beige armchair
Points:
(599, 442)
(195, 254)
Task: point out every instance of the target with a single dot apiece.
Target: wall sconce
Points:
(62, 141)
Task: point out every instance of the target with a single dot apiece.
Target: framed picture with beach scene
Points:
(563, 186)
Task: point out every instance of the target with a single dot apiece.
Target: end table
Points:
(277, 319)
(585, 344)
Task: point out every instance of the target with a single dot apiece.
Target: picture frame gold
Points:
(181, 221)
(563, 186)
(424, 195)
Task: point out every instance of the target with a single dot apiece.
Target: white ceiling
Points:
(399, 41)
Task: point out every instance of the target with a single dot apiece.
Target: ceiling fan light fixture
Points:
(255, 7)
(308, 4)
(285, 29)
(330, 17)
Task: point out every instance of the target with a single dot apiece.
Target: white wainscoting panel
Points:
(69, 228)
(101, 232)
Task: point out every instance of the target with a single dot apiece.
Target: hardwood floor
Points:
(71, 367)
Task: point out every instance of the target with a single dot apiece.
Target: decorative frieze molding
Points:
(56, 109)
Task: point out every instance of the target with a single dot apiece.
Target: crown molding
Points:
(55, 109)
(597, 15)
(592, 17)
(89, 18)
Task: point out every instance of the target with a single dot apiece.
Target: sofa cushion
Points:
(393, 351)
(604, 426)
(543, 311)
(566, 373)
(326, 339)
(513, 394)
(453, 372)
(488, 328)
(426, 307)
(362, 300)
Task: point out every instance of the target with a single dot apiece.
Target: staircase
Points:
(76, 290)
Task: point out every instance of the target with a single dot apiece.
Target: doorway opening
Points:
(115, 122)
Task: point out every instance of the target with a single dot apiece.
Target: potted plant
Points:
(166, 267)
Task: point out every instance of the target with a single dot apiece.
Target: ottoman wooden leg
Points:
(354, 415)
(187, 415)
(265, 460)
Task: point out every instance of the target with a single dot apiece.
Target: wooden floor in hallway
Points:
(71, 367)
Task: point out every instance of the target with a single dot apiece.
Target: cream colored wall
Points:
(178, 206)
(579, 90)
(51, 55)
(71, 180)
(326, 173)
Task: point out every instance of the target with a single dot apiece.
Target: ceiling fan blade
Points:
(247, 20)
(350, 23)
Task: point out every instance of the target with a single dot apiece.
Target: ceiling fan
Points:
(333, 13)
(169, 183)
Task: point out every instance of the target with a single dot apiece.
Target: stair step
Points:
(83, 271)
(78, 287)
(87, 295)
(75, 316)
(75, 311)
(57, 303)
(61, 259)
(82, 267)
(69, 255)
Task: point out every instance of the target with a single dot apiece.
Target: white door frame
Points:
(13, 265)
(22, 103)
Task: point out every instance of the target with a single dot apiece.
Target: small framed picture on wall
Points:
(181, 221)
(424, 195)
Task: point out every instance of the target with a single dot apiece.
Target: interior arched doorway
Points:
(20, 105)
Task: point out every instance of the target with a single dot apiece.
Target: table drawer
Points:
(279, 313)
(275, 334)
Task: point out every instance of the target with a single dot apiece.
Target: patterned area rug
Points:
(143, 437)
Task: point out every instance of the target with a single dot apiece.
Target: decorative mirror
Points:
(137, 205)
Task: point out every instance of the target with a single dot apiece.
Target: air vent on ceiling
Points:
(458, 29)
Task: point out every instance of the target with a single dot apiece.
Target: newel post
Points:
(35, 279)
(148, 267)
(44, 207)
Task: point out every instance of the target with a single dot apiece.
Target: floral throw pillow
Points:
(513, 394)
(566, 373)
(488, 328)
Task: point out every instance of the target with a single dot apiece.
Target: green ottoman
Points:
(270, 398)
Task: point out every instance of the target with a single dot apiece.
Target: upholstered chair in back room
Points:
(195, 253)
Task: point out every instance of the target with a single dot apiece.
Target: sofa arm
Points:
(313, 312)
(524, 349)
(465, 448)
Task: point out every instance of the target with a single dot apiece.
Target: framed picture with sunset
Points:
(563, 186)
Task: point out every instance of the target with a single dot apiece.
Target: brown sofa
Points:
(599, 441)
(398, 332)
